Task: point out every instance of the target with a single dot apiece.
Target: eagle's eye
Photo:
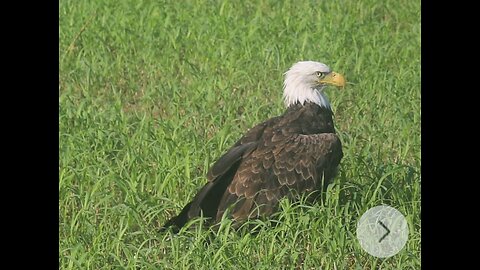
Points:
(319, 74)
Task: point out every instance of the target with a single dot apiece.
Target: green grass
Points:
(152, 92)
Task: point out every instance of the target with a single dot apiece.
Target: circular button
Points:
(382, 231)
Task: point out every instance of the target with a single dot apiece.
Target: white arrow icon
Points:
(382, 231)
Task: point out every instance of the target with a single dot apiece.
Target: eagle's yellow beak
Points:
(335, 79)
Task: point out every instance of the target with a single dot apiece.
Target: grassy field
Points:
(152, 92)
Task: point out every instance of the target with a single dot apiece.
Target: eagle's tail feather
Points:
(178, 221)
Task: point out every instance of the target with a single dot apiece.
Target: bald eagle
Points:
(288, 155)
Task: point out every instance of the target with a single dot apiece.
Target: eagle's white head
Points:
(305, 81)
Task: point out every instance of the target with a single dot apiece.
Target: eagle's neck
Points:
(300, 94)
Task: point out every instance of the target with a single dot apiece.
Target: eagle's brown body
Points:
(295, 153)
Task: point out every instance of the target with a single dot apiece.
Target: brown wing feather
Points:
(295, 163)
(269, 162)
(219, 177)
